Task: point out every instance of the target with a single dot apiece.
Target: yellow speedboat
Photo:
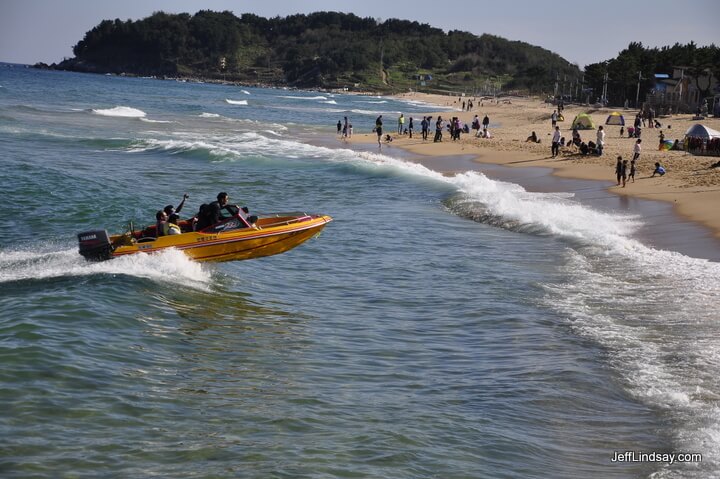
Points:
(231, 239)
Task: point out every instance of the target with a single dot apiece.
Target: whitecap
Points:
(148, 120)
(121, 111)
(305, 97)
(236, 102)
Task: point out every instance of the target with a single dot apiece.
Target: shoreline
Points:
(690, 192)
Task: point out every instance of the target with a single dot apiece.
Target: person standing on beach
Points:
(438, 130)
(401, 124)
(424, 124)
(600, 140)
(339, 127)
(378, 129)
(345, 128)
(637, 149)
(553, 118)
(618, 170)
(411, 127)
(555, 147)
(486, 122)
(623, 172)
(631, 175)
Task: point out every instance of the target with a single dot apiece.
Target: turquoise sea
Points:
(441, 327)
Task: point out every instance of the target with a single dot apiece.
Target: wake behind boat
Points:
(231, 239)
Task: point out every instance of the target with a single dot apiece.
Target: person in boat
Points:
(160, 223)
(172, 225)
(210, 214)
(219, 210)
(170, 209)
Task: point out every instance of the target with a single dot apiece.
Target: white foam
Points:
(245, 92)
(209, 115)
(148, 120)
(655, 312)
(236, 102)
(121, 111)
(305, 97)
(368, 112)
(330, 102)
(167, 266)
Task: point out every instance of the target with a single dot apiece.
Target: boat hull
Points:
(272, 236)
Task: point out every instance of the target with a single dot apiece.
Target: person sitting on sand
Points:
(576, 137)
(533, 138)
(659, 170)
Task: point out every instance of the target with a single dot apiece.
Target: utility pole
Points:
(637, 95)
(682, 76)
(603, 100)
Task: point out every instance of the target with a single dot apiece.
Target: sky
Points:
(34, 31)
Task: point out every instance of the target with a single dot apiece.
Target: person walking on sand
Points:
(555, 147)
(411, 127)
(618, 170)
(401, 124)
(637, 149)
(424, 124)
(623, 172)
(631, 175)
(553, 118)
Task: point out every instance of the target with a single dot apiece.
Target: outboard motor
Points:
(95, 245)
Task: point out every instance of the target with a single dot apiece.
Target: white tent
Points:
(701, 131)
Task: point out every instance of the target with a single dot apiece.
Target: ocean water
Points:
(440, 327)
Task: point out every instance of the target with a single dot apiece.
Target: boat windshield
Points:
(228, 211)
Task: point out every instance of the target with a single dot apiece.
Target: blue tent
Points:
(615, 118)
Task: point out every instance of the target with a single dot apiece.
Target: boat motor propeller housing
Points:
(95, 245)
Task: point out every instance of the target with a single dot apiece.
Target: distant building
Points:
(679, 92)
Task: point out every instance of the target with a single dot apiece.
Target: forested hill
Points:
(323, 50)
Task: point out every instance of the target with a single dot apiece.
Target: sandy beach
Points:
(690, 185)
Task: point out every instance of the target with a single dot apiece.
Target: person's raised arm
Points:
(182, 203)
